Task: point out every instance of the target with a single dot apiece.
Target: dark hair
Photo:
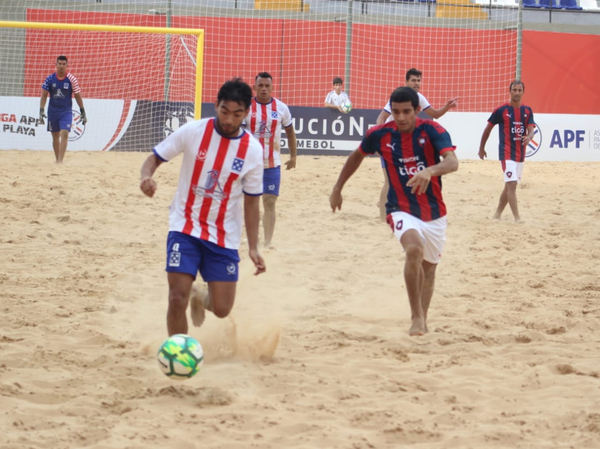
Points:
(404, 94)
(413, 72)
(338, 80)
(236, 90)
(263, 75)
(516, 82)
(62, 58)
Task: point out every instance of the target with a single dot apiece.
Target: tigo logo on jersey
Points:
(237, 165)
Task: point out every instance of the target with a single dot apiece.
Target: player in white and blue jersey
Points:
(61, 86)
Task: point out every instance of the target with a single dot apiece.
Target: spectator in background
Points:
(336, 98)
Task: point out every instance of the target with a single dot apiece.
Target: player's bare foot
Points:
(519, 221)
(197, 309)
(497, 217)
(418, 328)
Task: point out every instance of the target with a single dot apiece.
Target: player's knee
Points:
(177, 301)
(414, 252)
(221, 309)
(269, 202)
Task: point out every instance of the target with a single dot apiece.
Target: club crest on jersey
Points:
(202, 152)
(237, 165)
(66, 86)
(509, 174)
(274, 114)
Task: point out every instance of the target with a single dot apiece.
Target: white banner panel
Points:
(558, 137)
(574, 138)
(20, 129)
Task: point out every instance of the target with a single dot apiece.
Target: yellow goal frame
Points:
(129, 29)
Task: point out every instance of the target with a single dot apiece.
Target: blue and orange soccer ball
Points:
(180, 357)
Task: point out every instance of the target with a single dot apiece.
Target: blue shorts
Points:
(272, 181)
(187, 254)
(56, 123)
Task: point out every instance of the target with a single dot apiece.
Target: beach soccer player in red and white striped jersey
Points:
(221, 178)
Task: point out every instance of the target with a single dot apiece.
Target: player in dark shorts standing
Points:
(61, 86)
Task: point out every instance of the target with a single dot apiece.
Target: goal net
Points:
(465, 48)
(139, 83)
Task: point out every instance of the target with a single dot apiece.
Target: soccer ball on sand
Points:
(346, 107)
(180, 356)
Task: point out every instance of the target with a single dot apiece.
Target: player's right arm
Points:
(437, 113)
(351, 165)
(484, 138)
(384, 114)
(43, 99)
(147, 183)
(329, 103)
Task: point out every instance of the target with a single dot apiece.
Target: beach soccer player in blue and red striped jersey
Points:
(62, 86)
(516, 131)
(416, 153)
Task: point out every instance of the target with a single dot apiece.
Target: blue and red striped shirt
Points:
(405, 154)
(61, 91)
(513, 126)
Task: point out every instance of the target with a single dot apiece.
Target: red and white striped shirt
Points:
(215, 174)
(265, 122)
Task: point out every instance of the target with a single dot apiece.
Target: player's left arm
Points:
(527, 137)
(251, 220)
(291, 137)
(79, 100)
(421, 180)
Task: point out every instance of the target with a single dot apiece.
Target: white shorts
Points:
(433, 233)
(513, 171)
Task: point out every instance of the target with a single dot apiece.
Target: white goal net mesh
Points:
(464, 49)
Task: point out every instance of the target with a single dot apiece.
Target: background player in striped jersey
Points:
(336, 98)
(265, 120)
(221, 171)
(416, 153)
(61, 86)
(413, 79)
(516, 129)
